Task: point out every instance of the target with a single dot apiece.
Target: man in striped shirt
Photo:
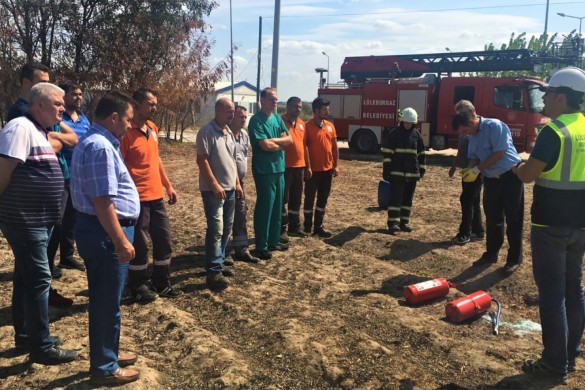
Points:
(31, 187)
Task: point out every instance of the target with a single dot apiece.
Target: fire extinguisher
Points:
(425, 291)
(473, 305)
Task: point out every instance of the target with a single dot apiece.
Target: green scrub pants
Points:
(267, 213)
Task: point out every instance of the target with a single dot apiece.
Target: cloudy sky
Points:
(343, 28)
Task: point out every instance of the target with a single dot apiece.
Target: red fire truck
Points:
(377, 87)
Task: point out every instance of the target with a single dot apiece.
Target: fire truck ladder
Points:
(359, 69)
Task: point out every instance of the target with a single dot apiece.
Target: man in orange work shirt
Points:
(295, 163)
(139, 147)
(321, 140)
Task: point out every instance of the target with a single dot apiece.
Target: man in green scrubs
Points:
(268, 137)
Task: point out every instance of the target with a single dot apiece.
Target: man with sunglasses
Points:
(557, 166)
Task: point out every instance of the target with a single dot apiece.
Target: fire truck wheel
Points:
(365, 141)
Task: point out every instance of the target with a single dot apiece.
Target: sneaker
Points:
(229, 261)
(72, 264)
(143, 295)
(246, 256)
(322, 233)
(217, 281)
(486, 259)
(477, 236)
(264, 255)
(511, 267)
(56, 272)
(279, 247)
(169, 292)
(460, 239)
(54, 356)
(119, 377)
(405, 227)
(284, 237)
(58, 300)
(541, 368)
(228, 272)
(297, 233)
(393, 227)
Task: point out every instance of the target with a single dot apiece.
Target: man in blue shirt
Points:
(490, 142)
(63, 236)
(108, 206)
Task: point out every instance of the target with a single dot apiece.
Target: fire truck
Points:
(376, 88)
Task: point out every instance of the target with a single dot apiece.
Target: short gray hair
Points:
(43, 91)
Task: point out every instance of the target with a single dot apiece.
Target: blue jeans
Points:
(557, 264)
(31, 283)
(220, 218)
(105, 278)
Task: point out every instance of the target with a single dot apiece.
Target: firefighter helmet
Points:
(409, 115)
(570, 77)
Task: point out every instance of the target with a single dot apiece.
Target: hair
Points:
(320, 102)
(574, 98)
(28, 70)
(222, 103)
(265, 91)
(140, 94)
(293, 100)
(241, 108)
(111, 102)
(464, 105)
(462, 118)
(43, 91)
(68, 86)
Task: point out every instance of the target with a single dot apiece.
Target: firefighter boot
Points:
(318, 230)
(393, 227)
(294, 227)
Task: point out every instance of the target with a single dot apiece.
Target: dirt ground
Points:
(325, 314)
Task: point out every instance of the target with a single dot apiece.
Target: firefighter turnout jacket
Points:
(403, 153)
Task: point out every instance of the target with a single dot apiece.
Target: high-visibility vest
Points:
(568, 173)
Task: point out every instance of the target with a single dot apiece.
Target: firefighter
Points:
(557, 165)
(403, 152)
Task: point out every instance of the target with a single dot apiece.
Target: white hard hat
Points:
(409, 115)
(570, 77)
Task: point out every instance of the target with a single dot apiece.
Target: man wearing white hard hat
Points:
(490, 142)
(557, 165)
(403, 153)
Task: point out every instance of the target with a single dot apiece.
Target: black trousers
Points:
(400, 204)
(503, 201)
(63, 235)
(471, 221)
(319, 184)
(293, 193)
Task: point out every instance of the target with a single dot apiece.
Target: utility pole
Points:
(231, 51)
(275, 44)
(259, 60)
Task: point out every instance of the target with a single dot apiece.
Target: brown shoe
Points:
(119, 377)
(126, 359)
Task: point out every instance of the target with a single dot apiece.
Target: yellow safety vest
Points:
(568, 173)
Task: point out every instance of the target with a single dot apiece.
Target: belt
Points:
(124, 222)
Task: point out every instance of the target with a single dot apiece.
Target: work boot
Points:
(319, 231)
(72, 263)
(58, 300)
(393, 227)
(56, 272)
(246, 256)
(485, 259)
(216, 281)
(297, 233)
(54, 356)
(405, 227)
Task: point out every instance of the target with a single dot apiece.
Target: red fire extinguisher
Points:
(425, 291)
(472, 305)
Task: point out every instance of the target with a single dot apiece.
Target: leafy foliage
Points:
(115, 44)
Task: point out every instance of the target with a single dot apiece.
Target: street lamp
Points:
(325, 54)
(574, 17)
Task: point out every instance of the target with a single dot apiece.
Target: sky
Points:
(345, 28)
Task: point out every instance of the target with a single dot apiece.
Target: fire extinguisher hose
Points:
(496, 317)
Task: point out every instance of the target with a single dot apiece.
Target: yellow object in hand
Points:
(470, 174)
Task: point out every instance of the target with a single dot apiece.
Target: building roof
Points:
(224, 86)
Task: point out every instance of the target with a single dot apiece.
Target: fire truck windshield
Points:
(535, 98)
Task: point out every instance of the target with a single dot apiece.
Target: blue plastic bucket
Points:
(383, 194)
